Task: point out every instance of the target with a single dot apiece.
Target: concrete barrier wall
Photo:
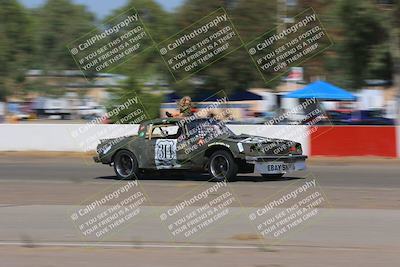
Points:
(57, 137)
(354, 141)
(316, 141)
(84, 137)
(398, 140)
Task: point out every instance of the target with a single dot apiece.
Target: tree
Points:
(236, 71)
(252, 18)
(146, 104)
(60, 22)
(16, 47)
(361, 52)
(148, 65)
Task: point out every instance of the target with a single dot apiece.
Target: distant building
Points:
(74, 80)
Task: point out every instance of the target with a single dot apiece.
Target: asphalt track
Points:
(329, 173)
(357, 224)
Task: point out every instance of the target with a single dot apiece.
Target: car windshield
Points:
(166, 131)
(208, 125)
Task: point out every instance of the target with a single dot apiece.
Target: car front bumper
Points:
(96, 159)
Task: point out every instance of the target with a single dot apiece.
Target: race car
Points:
(200, 145)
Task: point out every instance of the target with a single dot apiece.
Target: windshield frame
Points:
(211, 121)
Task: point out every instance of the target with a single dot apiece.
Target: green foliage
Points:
(15, 44)
(37, 38)
(133, 103)
(236, 72)
(15, 37)
(60, 22)
(361, 50)
(3, 91)
(148, 65)
(380, 62)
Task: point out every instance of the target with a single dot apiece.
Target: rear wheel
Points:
(126, 165)
(222, 165)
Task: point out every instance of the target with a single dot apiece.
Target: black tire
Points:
(272, 176)
(222, 166)
(126, 165)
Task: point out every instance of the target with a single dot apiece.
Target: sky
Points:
(102, 8)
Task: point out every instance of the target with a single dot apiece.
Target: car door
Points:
(161, 148)
(191, 148)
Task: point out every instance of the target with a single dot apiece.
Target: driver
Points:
(185, 107)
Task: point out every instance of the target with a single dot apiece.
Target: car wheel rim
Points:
(125, 165)
(219, 166)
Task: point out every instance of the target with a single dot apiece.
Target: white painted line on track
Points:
(67, 244)
(122, 245)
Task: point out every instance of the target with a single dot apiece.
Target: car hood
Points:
(253, 139)
(109, 144)
(259, 145)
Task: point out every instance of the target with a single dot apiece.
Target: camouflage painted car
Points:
(201, 145)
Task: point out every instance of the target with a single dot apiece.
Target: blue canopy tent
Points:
(323, 91)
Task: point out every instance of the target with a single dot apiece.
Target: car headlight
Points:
(104, 150)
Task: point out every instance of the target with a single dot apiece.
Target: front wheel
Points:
(222, 166)
(126, 165)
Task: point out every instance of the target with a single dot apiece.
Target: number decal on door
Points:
(165, 153)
